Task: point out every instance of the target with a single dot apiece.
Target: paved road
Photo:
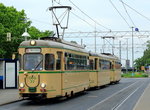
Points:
(122, 96)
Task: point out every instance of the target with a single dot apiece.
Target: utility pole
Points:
(81, 41)
(103, 45)
(127, 49)
(95, 37)
(132, 51)
(113, 45)
(120, 49)
(127, 61)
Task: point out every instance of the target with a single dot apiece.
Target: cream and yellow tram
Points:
(52, 68)
(104, 69)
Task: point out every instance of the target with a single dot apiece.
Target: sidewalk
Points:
(144, 101)
(9, 96)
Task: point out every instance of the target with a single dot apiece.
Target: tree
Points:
(35, 33)
(145, 59)
(15, 22)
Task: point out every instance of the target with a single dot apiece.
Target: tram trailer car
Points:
(53, 68)
(105, 69)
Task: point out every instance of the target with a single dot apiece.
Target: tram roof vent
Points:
(107, 54)
(51, 38)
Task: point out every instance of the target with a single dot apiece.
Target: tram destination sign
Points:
(33, 50)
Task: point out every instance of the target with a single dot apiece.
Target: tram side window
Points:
(110, 65)
(91, 64)
(75, 62)
(58, 63)
(117, 65)
(100, 66)
(95, 66)
(20, 60)
(49, 62)
(105, 65)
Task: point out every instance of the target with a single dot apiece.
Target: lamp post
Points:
(120, 49)
(26, 34)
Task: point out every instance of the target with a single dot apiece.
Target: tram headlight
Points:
(43, 85)
(22, 85)
(32, 42)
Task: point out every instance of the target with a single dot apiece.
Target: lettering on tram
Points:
(33, 50)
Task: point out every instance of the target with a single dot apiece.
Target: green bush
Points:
(135, 75)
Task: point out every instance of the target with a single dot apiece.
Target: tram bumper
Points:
(34, 95)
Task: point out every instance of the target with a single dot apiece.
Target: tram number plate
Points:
(32, 89)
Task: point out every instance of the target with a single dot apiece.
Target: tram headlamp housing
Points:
(22, 85)
(32, 42)
(43, 85)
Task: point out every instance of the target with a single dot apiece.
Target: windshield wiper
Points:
(37, 65)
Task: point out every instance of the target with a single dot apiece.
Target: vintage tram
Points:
(51, 67)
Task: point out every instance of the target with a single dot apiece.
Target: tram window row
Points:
(71, 62)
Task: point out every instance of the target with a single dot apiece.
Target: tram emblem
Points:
(32, 79)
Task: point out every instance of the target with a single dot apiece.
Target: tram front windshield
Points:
(33, 62)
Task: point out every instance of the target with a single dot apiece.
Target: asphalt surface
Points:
(122, 96)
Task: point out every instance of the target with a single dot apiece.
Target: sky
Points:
(102, 11)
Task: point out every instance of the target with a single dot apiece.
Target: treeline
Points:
(145, 59)
(15, 22)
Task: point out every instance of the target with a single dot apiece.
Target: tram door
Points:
(96, 68)
(10, 75)
(60, 67)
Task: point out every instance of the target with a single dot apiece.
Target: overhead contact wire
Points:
(119, 13)
(136, 11)
(127, 13)
(89, 16)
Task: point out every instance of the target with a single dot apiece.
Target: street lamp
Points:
(26, 34)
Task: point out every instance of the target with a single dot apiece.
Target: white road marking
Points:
(119, 105)
(140, 97)
(91, 108)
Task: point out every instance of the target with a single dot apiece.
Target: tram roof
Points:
(104, 55)
(54, 44)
